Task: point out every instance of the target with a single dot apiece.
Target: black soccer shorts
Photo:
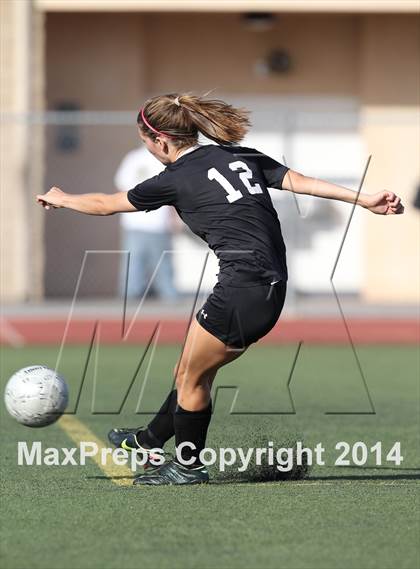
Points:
(239, 316)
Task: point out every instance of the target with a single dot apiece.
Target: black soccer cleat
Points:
(173, 473)
(117, 436)
(127, 439)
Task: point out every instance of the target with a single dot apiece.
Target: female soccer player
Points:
(220, 192)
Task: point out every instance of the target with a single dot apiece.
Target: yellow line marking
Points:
(78, 432)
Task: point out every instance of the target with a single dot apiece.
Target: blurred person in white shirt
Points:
(146, 235)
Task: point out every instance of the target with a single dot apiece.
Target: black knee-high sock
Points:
(192, 426)
(161, 427)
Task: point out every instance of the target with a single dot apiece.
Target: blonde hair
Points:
(182, 117)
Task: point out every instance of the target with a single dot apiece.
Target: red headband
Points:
(146, 122)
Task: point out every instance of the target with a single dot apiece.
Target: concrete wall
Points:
(104, 71)
(21, 91)
(12, 145)
(132, 56)
(389, 90)
(111, 61)
(189, 51)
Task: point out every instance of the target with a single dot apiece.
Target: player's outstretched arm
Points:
(383, 203)
(91, 204)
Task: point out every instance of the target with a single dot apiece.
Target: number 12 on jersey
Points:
(246, 176)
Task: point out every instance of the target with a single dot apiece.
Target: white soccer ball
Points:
(36, 396)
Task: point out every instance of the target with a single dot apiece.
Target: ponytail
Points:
(216, 119)
(182, 117)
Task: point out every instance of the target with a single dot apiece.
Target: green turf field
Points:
(340, 517)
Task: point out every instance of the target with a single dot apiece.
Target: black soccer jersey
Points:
(220, 192)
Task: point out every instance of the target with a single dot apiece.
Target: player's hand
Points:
(384, 203)
(52, 199)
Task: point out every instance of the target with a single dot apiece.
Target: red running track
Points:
(36, 331)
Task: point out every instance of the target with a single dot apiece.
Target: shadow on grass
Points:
(99, 477)
(357, 477)
(328, 478)
(372, 473)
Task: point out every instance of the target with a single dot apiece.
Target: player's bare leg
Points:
(202, 357)
(203, 354)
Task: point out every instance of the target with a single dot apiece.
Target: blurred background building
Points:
(329, 83)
